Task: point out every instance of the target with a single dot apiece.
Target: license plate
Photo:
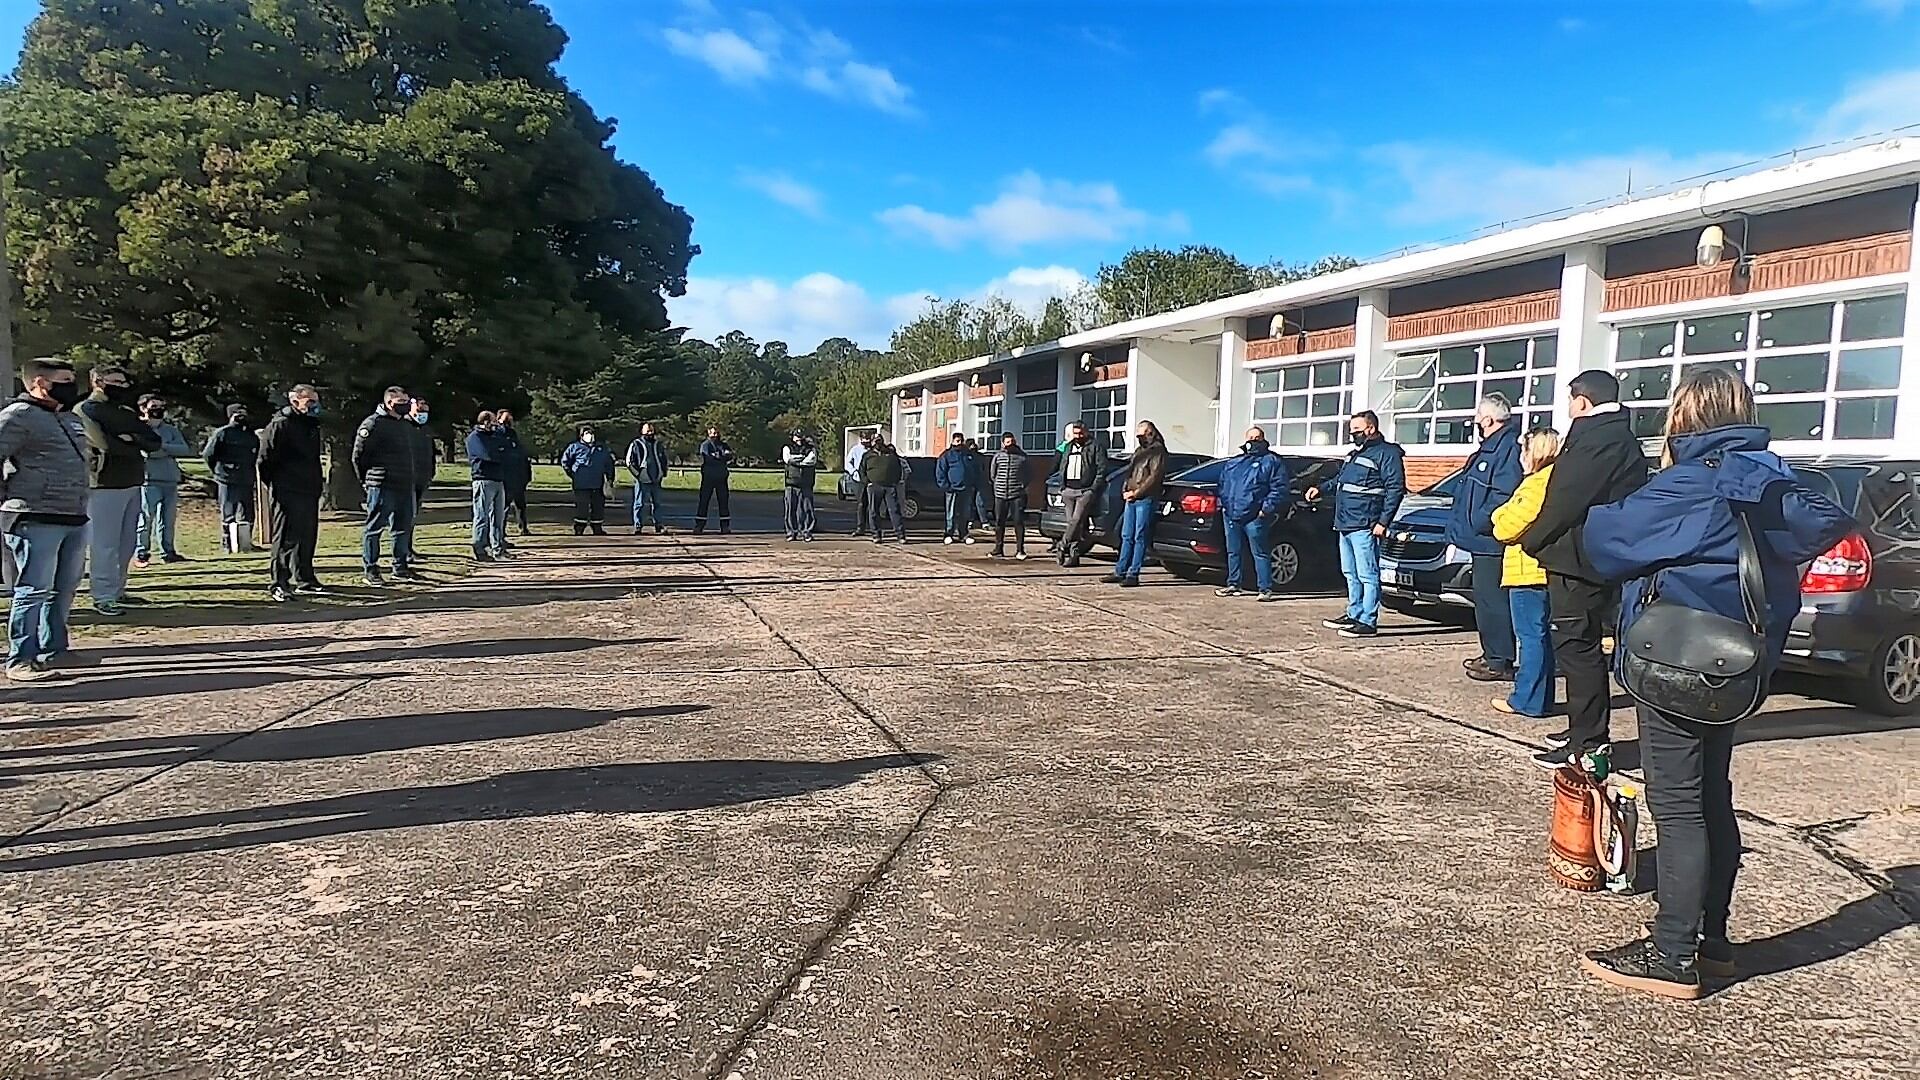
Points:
(1056, 501)
(1395, 577)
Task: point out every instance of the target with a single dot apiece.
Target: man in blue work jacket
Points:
(1366, 496)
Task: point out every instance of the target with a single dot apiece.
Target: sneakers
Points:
(373, 578)
(1112, 579)
(946, 541)
(1502, 705)
(1230, 590)
(108, 609)
(1072, 563)
(1559, 739)
(1554, 758)
(1480, 671)
(637, 531)
(407, 573)
(1640, 965)
(1340, 623)
(1359, 630)
(969, 540)
(1020, 556)
(279, 595)
(996, 553)
(31, 671)
(1267, 597)
(1716, 959)
(140, 562)
(313, 587)
(173, 557)
(1129, 582)
(478, 556)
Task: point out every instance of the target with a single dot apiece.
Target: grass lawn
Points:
(550, 478)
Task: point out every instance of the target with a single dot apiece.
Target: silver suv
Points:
(1417, 565)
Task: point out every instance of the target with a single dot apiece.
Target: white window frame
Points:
(1037, 440)
(987, 426)
(913, 432)
(1676, 361)
(1399, 403)
(1111, 437)
(1307, 429)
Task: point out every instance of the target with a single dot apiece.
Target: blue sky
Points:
(844, 159)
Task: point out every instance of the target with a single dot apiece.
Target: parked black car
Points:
(921, 497)
(1860, 602)
(1105, 526)
(1190, 542)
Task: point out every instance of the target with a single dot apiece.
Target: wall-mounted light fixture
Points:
(973, 379)
(1714, 243)
(1086, 361)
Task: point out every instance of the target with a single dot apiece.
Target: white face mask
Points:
(586, 436)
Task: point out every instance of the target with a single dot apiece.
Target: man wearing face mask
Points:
(716, 465)
(383, 458)
(43, 515)
(290, 466)
(231, 453)
(1253, 493)
(1366, 497)
(1080, 465)
(425, 459)
(120, 440)
(1491, 477)
(1146, 476)
(590, 467)
(160, 495)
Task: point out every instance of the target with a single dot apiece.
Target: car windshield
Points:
(1202, 474)
(1444, 487)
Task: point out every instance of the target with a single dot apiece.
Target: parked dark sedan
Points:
(1106, 519)
(1860, 602)
(921, 496)
(1190, 542)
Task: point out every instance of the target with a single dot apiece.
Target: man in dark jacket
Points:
(982, 490)
(425, 461)
(956, 478)
(120, 440)
(647, 462)
(716, 463)
(383, 459)
(290, 449)
(1610, 466)
(1080, 465)
(487, 465)
(801, 461)
(1253, 493)
(882, 472)
(231, 454)
(1008, 478)
(1492, 474)
(1367, 492)
(519, 471)
(590, 467)
(43, 515)
(1146, 475)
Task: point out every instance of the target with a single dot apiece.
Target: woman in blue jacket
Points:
(1681, 526)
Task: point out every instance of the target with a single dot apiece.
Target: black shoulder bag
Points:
(1697, 665)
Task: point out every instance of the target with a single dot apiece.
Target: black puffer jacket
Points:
(1601, 462)
(290, 455)
(424, 455)
(383, 451)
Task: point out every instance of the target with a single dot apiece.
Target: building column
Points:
(1370, 355)
(926, 418)
(1582, 339)
(963, 408)
(893, 414)
(1906, 413)
(1233, 409)
(1066, 399)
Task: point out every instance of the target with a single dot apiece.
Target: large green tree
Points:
(235, 195)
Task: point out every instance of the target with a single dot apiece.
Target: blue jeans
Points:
(489, 516)
(799, 513)
(1360, 563)
(1245, 535)
(48, 560)
(159, 510)
(1533, 673)
(646, 497)
(1491, 613)
(387, 508)
(1136, 536)
(959, 513)
(112, 531)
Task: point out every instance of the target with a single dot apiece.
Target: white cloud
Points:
(1030, 287)
(1572, 25)
(1219, 97)
(1032, 210)
(1237, 141)
(1444, 184)
(787, 191)
(731, 56)
(1881, 103)
(766, 48)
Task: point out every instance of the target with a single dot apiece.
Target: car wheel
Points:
(910, 506)
(1892, 685)
(1286, 565)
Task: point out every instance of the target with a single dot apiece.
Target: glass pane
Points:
(1326, 404)
(1412, 399)
(1645, 384)
(1793, 419)
(1460, 360)
(1801, 373)
(1411, 432)
(1410, 365)
(1293, 434)
(1546, 351)
(1808, 325)
(1506, 355)
(1874, 318)
(1329, 373)
(1869, 369)
(1538, 420)
(1511, 389)
(1293, 405)
(1721, 333)
(1734, 367)
(1648, 423)
(1119, 395)
(1266, 408)
(1326, 433)
(1293, 378)
(1453, 430)
(1863, 418)
(1540, 391)
(1459, 395)
(1266, 382)
(1644, 342)
(1346, 403)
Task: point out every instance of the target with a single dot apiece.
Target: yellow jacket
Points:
(1509, 521)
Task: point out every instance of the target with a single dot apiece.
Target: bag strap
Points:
(1753, 583)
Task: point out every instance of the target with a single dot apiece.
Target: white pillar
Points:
(893, 415)
(1906, 415)
(963, 408)
(1370, 355)
(1234, 410)
(926, 418)
(1066, 398)
(1582, 338)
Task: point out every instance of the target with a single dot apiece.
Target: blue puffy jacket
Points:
(1368, 488)
(487, 453)
(1252, 485)
(1493, 475)
(1680, 527)
(588, 464)
(955, 472)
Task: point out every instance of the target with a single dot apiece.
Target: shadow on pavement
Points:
(629, 788)
(1853, 927)
(60, 722)
(484, 648)
(1818, 722)
(333, 738)
(152, 649)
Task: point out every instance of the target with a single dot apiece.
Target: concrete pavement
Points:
(698, 807)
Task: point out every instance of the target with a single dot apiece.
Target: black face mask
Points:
(1358, 438)
(1254, 446)
(120, 395)
(238, 419)
(66, 394)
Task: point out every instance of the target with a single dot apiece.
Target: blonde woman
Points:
(1683, 525)
(1526, 583)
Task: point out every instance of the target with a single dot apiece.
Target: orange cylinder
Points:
(1570, 853)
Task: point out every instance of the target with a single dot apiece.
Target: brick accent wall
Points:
(1099, 373)
(1298, 344)
(910, 402)
(992, 384)
(1423, 471)
(1814, 264)
(946, 397)
(1484, 315)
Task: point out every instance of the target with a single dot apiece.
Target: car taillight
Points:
(1845, 567)
(1199, 503)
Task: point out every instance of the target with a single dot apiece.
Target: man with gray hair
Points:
(1492, 474)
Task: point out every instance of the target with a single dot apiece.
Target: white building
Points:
(1804, 289)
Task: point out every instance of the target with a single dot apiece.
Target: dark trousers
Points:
(1010, 512)
(1493, 614)
(1690, 791)
(711, 488)
(1579, 610)
(589, 510)
(883, 501)
(1079, 504)
(863, 511)
(296, 528)
(236, 502)
(517, 504)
